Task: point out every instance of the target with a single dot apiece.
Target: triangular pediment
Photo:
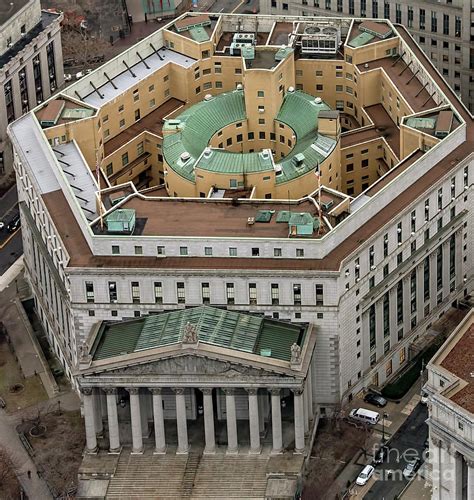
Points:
(190, 365)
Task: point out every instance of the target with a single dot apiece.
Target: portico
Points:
(246, 395)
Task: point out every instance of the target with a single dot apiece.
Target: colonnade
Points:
(303, 414)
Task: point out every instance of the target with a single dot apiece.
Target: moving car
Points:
(375, 399)
(410, 468)
(364, 416)
(83, 73)
(365, 475)
(14, 224)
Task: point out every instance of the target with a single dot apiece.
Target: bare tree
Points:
(81, 47)
(9, 485)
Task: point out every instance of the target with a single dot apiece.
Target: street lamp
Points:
(384, 416)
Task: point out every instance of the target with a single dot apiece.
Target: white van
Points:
(364, 416)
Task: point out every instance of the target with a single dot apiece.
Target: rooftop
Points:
(222, 328)
(9, 8)
(152, 122)
(457, 356)
(62, 110)
(129, 77)
(189, 217)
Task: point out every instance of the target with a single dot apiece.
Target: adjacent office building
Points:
(31, 64)
(451, 414)
(443, 29)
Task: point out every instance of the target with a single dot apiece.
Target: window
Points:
(275, 291)
(160, 250)
(300, 252)
(319, 294)
(158, 289)
(124, 159)
(140, 148)
(399, 258)
(364, 163)
(434, 22)
(386, 347)
(208, 251)
(260, 93)
(152, 103)
(457, 27)
(135, 292)
(109, 169)
(180, 292)
(120, 108)
(255, 252)
(115, 249)
(233, 252)
(122, 123)
(372, 337)
(422, 19)
(183, 251)
(136, 95)
(112, 292)
(413, 291)
(90, 291)
(138, 250)
(205, 293)
(388, 368)
(218, 84)
(400, 302)
(297, 294)
(137, 115)
(230, 293)
(277, 252)
(439, 268)
(252, 293)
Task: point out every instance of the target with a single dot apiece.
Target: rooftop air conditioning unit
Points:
(208, 97)
(239, 86)
(185, 156)
(318, 100)
(291, 90)
(207, 152)
(250, 221)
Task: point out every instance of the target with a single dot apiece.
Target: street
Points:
(407, 443)
(11, 246)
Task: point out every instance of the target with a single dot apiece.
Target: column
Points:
(88, 401)
(470, 478)
(231, 417)
(309, 384)
(261, 413)
(114, 437)
(209, 422)
(276, 422)
(456, 479)
(137, 440)
(144, 415)
(253, 422)
(181, 422)
(99, 426)
(305, 410)
(299, 420)
(435, 453)
(160, 438)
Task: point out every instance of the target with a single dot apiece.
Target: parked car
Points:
(67, 77)
(2, 224)
(14, 224)
(375, 399)
(411, 468)
(80, 74)
(424, 397)
(381, 455)
(365, 475)
(364, 416)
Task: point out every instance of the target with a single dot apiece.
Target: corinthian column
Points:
(158, 419)
(181, 422)
(254, 422)
(114, 436)
(137, 440)
(91, 439)
(209, 422)
(299, 420)
(231, 418)
(276, 422)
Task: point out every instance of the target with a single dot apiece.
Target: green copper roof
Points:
(361, 40)
(220, 161)
(230, 329)
(283, 53)
(195, 127)
(199, 34)
(300, 111)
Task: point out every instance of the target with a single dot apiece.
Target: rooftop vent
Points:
(240, 86)
(291, 90)
(250, 221)
(265, 154)
(318, 100)
(208, 97)
(207, 153)
(184, 157)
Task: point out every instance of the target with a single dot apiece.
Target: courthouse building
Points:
(233, 193)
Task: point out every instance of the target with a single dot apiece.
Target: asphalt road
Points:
(10, 244)
(407, 443)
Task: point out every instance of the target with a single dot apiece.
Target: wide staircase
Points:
(193, 476)
(148, 476)
(231, 477)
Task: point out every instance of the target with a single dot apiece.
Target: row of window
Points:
(205, 293)
(209, 251)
